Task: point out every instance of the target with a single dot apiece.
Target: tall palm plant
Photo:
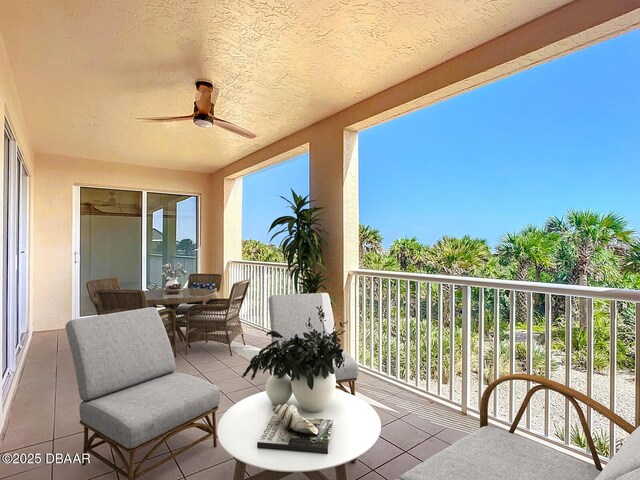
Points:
(370, 241)
(531, 248)
(409, 253)
(302, 243)
(457, 256)
(587, 232)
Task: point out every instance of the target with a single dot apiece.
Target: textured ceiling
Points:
(84, 69)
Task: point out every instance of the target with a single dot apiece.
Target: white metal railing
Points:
(154, 270)
(266, 279)
(401, 326)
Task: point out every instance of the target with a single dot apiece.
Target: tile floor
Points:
(44, 418)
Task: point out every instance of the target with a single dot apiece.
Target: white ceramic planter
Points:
(170, 282)
(316, 399)
(278, 389)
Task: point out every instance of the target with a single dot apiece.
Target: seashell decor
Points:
(289, 416)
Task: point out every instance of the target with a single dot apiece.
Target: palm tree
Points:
(587, 232)
(378, 261)
(409, 253)
(370, 241)
(527, 249)
(457, 256)
(631, 261)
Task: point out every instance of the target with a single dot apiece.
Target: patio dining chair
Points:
(218, 320)
(197, 280)
(132, 398)
(289, 316)
(113, 301)
(103, 284)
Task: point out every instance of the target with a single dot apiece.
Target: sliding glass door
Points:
(14, 235)
(113, 241)
(110, 232)
(172, 234)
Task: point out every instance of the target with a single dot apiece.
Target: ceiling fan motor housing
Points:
(203, 120)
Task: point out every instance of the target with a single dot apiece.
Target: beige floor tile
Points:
(242, 394)
(200, 457)
(19, 420)
(223, 470)
(233, 385)
(73, 445)
(27, 436)
(21, 465)
(399, 465)
(40, 473)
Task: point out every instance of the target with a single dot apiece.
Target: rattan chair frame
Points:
(218, 320)
(132, 468)
(102, 284)
(572, 395)
(181, 317)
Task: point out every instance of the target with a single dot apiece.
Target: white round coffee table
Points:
(356, 427)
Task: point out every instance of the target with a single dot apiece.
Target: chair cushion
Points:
(494, 453)
(625, 460)
(116, 351)
(632, 475)
(208, 286)
(183, 308)
(290, 313)
(348, 370)
(140, 413)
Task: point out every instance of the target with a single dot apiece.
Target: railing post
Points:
(466, 346)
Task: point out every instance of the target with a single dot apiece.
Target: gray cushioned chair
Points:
(131, 396)
(495, 453)
(289, 316)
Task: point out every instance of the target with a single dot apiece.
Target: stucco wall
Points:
(52, 250)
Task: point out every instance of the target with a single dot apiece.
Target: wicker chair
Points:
(113, 301)
(103, 284)
(195, 279)
(217, 320)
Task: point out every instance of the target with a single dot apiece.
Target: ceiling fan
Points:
(202, 115)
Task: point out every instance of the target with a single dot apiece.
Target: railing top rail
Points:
(251, 262)
(618, 294)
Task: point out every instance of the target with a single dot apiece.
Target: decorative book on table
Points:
(276, 436)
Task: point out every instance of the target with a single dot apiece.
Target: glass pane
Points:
(110, 233)
(23, 237)
(172, 235)
(5, 255)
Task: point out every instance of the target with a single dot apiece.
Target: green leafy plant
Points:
(577, 437)
(315, 353)
(302, 243)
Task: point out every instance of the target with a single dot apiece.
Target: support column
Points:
(333, 185)
(227, 223)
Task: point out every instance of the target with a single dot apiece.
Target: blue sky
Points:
(565, 134)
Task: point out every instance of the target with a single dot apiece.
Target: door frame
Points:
(75, 244)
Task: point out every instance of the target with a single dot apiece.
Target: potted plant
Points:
(302, 243)
(171, 274)
(309, 360)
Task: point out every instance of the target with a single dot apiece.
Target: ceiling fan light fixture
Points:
(203, 120)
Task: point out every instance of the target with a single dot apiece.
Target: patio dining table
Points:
(172, 300)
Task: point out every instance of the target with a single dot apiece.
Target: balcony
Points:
(399, 326)
(45, 418)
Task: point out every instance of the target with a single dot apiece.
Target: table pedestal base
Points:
(238, 474)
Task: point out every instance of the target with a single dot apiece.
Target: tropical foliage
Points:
(261, 252)
(301, 243)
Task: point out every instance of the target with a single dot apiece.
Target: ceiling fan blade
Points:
(165, 119)
(233, 128)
